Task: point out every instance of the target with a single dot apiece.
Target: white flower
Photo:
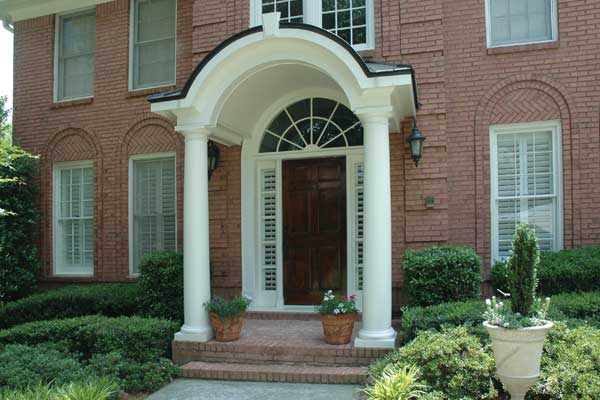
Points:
(336, 311)
(488, 302)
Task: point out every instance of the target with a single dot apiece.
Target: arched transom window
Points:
(312, 124)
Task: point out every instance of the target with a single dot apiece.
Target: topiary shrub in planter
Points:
(161, 285)
(441, 274)
(226, 317)
(119, 299)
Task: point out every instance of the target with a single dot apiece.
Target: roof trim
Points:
(396, 69)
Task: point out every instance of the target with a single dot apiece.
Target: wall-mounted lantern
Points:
(213, 157)
(415, 141)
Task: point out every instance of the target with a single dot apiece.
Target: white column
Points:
(377, 274)
(196, 257)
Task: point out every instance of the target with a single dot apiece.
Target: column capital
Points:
(194, 132)
(374, 115)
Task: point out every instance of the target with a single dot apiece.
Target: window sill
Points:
(523, 47)
(149, 91)
(71, 103)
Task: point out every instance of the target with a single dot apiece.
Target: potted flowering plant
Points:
(338, 315)
(518, 332)
(226, 317)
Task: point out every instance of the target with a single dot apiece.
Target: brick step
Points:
(274, 373)
(275, 351)
(293, 316)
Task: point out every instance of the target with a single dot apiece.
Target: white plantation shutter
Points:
(154, 32)
(268, 227)
(154, 208)
(75, 50)
(520, 21)
(525, 183)
(74, 241)
(359, 223)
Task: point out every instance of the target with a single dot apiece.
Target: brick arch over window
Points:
(518, 99)
(70, 143)
(148, 133)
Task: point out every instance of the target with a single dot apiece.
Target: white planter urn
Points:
(518, 354)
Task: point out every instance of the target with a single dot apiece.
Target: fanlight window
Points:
(312, 124)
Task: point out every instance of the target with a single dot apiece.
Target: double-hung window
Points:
(153, 206)
(153, 43)
(526, 177)
(515, 22)
(351, 20)
(75, 48)
(74, 218)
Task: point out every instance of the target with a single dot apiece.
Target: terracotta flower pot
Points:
(226, 329)
(338, 328)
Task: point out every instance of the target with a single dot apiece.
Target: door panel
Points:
(314, 221)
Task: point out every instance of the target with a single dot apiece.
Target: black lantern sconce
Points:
(213, 157)
(415, 142)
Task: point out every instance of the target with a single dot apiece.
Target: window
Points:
(526, 184)
(513, 22)
(74, 218)
(153, 43)
(75, 47)
(153, 207)
(352, 20)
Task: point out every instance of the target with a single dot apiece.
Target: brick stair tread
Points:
(274, 373)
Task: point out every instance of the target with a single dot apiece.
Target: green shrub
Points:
(570, 365)
(558, 272)
(452, 362)
(396, 383)
(112, 300)
(90, 389)
(139, 339)
(133, 376)
(228, 308)
(24, 366)
(441, 274)
(19, 216)
(522, 270)
(161, 285)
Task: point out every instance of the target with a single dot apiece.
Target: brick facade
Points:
(464, 88)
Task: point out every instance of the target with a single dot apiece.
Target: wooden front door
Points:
(314, 229)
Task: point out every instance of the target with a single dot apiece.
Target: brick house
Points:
(310, 115)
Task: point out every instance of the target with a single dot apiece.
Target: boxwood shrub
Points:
(112, 300)
(140, 339)
(441, 274)
(564, 271)
(161, 283)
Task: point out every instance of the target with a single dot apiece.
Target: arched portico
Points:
(232, 97)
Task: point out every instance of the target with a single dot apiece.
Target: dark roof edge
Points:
(401, 69)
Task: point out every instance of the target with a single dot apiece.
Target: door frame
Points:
(252, 165)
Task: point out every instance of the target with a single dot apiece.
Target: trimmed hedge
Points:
(558, 272)
(441, 274)
(121, 299)
(570, 307)
(139, 339)
(161, 282)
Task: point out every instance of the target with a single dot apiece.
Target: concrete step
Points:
(274, 373)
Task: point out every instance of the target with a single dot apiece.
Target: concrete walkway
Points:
(196, 389)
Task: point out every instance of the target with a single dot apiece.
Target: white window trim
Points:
(131, 194)
(555, 127)
(132, 50)
(553, 23)
(57, 46)
(56, 243)
(313, 16)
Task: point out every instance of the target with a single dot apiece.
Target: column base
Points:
(376, 340)
(194, 334)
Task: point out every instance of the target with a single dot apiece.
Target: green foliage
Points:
(228, 308)
(5, 126)
(336, 305)
(441, 274)
(133, 376)
(161, 282)
(139, 339)
(19, 216)
(89, 389)
(72, 301)
(559, 272)
(396, 383)
(24, 366)
(570, 365)
(522, 270)
(452, 362)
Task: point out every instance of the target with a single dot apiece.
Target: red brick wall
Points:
(464, 87)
